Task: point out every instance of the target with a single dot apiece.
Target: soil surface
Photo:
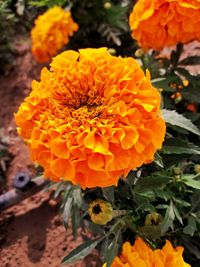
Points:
(31, 233)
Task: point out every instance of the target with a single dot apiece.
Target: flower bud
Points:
(100, 211)
(177, 170)
(197, 168)
(139, 52)
(107, 5)
(112, 51)
(153, 219)
(185, 83)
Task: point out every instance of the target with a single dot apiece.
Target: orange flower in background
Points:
(141, 255)
(160, 23)
(92, 118)
(51, 32)
(191, 107)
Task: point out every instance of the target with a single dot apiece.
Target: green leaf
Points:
(194, 60)
(182, 202)
(109, 194)
(77, 196)
(191, 181)
(47, 3)
(116, 16)
(151, 231)
(173, 159)
(59, 189)
(67, 192)
(191, 227)
(151, 182)
(192, 93)
(164, 82)
(175, 55)
(75, 220)
(173, 118)
(67, 211)
(164, 194)
(81, 251)
(186, 74)
(168, 219)
(112, 250)
(162, 206)
(178, 216)
(158, 160)
(146, 194)
(192, 246)
(179, 146)
(146, 206)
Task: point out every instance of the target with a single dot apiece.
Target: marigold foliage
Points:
(160, 23)
(92, 118)
(51, 32)
(140, 255)
(100, 211)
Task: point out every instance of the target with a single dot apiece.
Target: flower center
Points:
(82, 105)
(85, 108)
(96, 209)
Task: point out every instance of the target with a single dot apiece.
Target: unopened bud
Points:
(153, 219)
(112, 51)
(107, 5)
(139, 52)
(197, 168)
(100, 211)
(177, 170)
(185, 83)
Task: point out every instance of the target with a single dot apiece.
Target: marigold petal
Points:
(59, 148)
(96, 142)
(96, 161)
(130, 138)
(63, 168)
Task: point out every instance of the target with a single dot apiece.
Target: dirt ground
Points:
(31, 233)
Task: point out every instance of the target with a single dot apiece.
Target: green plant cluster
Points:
(15, 16)
(101, 23)
(5, 158)
(7, 19)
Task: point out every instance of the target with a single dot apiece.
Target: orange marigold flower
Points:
(141, 255)
(92, 118)
(160, 23)
(51, 32)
